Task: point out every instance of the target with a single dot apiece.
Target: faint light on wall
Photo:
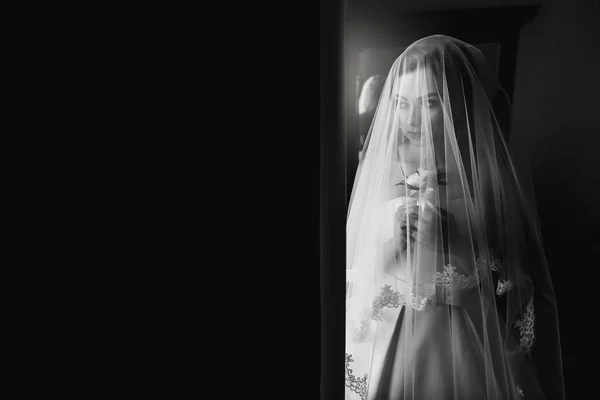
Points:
(369, 95)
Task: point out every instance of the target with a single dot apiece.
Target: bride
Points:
(448, 285)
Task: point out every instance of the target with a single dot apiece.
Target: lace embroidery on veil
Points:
(448, 278)
(526, 330)
(503, 287)
(355, 384)
(423, 298)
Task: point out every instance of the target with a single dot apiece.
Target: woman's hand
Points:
(405, 226)
(418, 225)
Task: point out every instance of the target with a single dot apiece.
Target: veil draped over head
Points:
(448, 289)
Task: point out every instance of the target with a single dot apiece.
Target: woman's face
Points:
(415, 100)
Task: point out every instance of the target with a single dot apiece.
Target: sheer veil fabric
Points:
(447, 281)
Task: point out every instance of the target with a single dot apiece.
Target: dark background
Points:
(548, 64)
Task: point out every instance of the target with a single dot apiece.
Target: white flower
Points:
(419, 178)
(414, 180)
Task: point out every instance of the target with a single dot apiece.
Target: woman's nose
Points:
(415, 118)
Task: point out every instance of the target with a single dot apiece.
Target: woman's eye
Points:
(433, 102)
(400, 102)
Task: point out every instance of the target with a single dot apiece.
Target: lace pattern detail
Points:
(495, 264)
(451, 278)
(387, 298)
(423, 299)
(356, 384)
(362, 332)
(503, 287)
(525, 326)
